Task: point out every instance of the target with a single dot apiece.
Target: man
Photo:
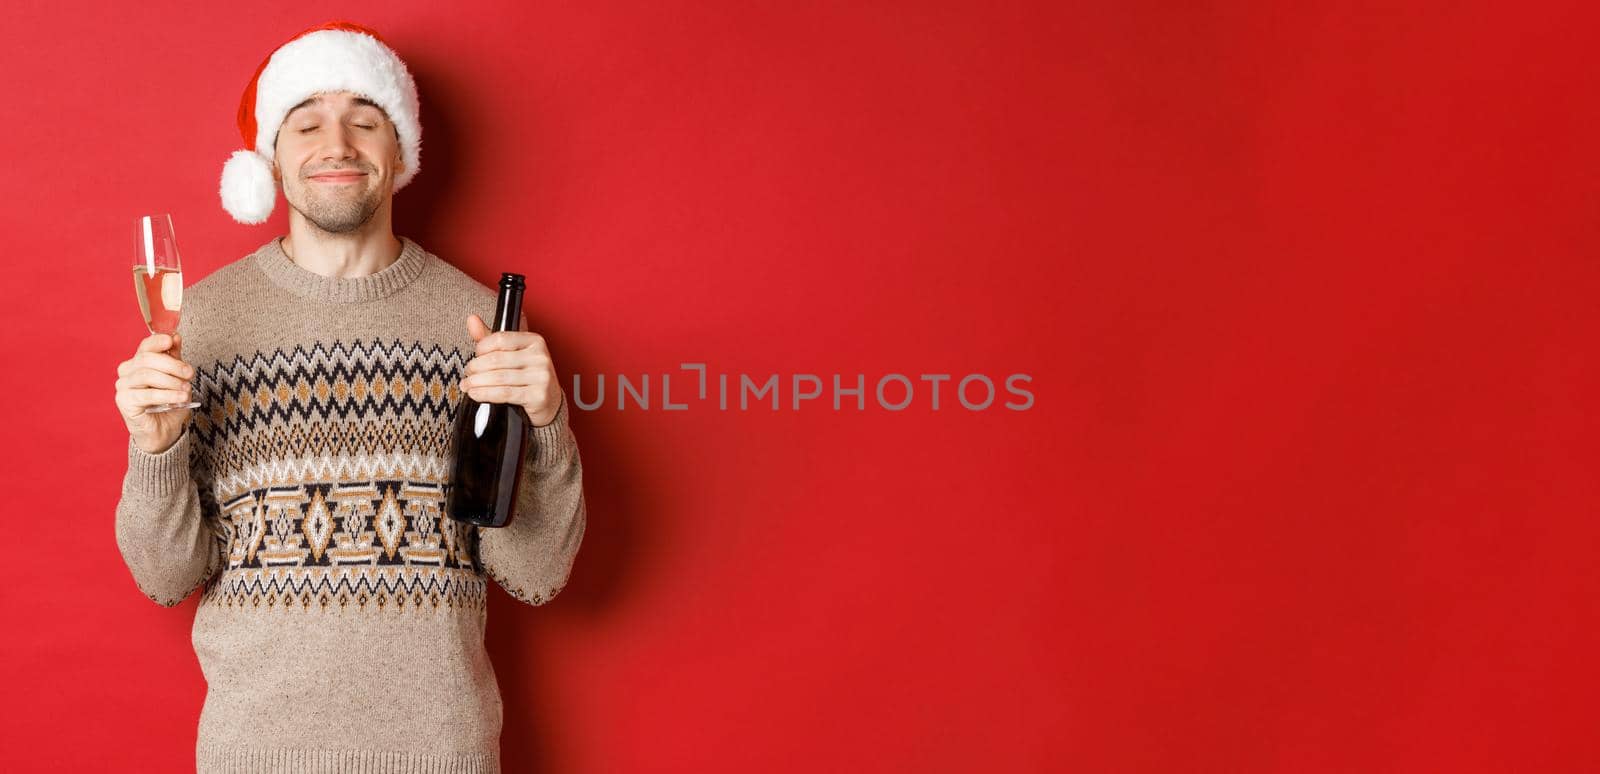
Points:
(341, 624)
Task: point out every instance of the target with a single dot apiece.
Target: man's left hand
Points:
(512, 367)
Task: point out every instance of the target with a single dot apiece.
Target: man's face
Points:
(337, 157)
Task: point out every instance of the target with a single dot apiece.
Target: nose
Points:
(338, 143)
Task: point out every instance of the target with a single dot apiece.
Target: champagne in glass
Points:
(158, 281)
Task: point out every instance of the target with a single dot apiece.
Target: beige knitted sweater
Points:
(342, 618)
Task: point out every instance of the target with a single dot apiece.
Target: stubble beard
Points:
(337, 212)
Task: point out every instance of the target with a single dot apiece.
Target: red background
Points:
(1307, 296)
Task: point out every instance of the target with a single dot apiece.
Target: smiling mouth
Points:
(344, 177)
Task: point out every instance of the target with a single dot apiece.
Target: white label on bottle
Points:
(480, 420)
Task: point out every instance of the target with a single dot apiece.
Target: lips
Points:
(339, 177)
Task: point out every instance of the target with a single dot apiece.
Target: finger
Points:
(476, 328)
(162, 362)
(150, 377)
(507, 376)
(497, 394)
(155, 342)
(151, 397)
(516, 358)
(506, 340)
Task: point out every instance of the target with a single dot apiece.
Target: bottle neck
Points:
(508, 309)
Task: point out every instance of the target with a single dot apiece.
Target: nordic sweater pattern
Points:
(342, 618)
(331, 494)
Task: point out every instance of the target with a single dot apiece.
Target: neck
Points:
(367, 250)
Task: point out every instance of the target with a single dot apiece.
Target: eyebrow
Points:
(314, 99)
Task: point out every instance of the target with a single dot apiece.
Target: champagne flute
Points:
(158, 281)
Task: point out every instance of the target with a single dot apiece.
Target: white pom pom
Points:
(248, 190)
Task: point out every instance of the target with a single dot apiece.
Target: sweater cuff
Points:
(160, 473)
(554, 442)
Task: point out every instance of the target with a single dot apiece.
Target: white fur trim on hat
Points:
(248, 190)
(322, 61)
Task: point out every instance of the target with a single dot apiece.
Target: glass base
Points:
(171, 406)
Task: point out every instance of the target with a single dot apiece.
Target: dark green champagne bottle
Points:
(490, 440)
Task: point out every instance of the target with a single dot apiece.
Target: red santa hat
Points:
(336, 56)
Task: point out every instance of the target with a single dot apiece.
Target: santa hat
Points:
(336, 56)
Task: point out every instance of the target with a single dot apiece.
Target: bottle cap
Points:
(513, 280)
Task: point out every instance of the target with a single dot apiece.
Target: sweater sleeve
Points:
(162, 525)
(531, 558)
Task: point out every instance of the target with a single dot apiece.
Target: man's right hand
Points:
(155, 375)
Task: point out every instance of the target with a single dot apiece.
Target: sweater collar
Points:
(303, 282)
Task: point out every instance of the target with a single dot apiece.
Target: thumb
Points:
(476, 327)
